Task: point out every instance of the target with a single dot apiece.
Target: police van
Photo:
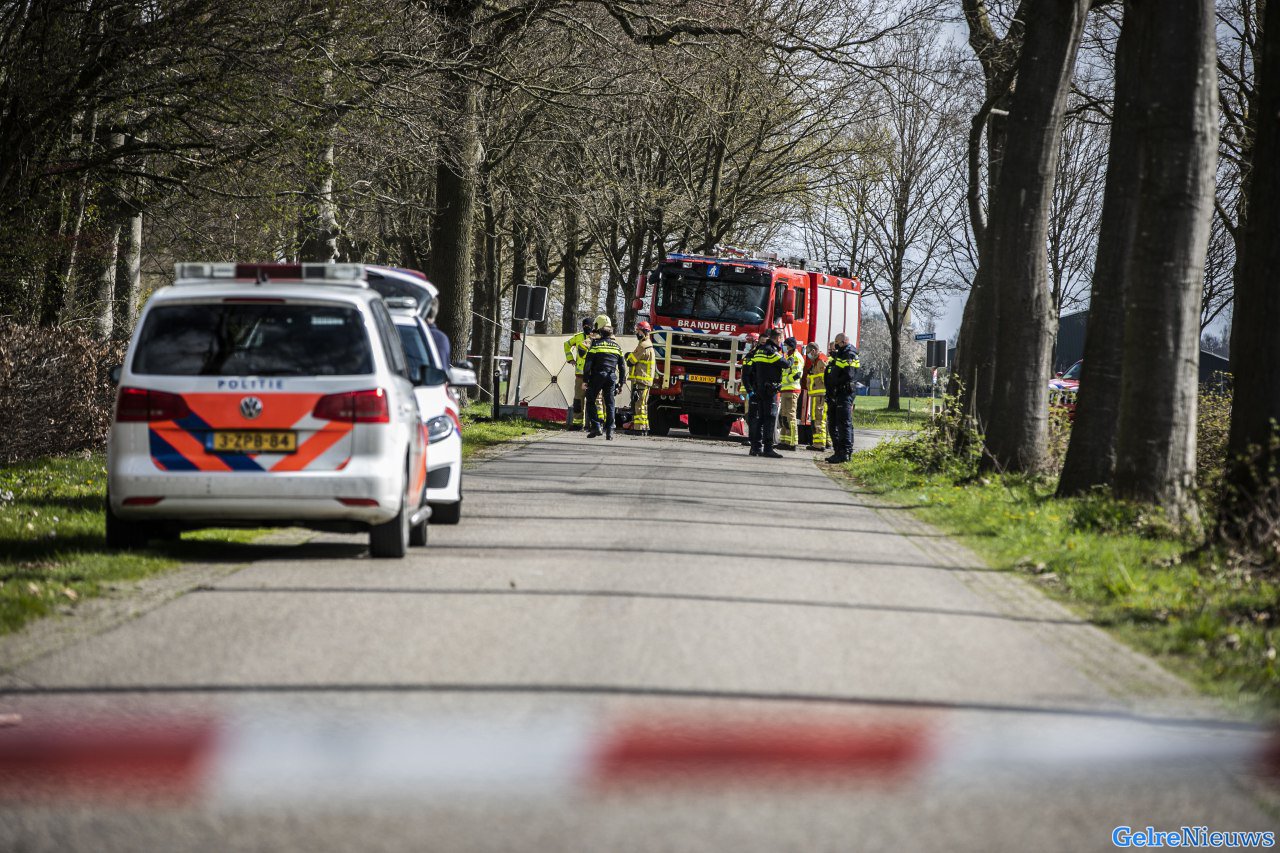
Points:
(267, 395)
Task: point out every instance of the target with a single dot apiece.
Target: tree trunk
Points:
(128, 284)
(318, 224)
(569, 321)
(1178, 129)
(105, 281)
(1018, 427)
(895, 363)
(1091, 455)
(451, 227)
(1254, 465)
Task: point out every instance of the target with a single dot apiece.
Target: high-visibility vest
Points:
(606, 347)
(579, 343)
(817, 379)
(791, 372)
(642, 362)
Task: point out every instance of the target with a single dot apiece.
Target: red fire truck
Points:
(702, 309)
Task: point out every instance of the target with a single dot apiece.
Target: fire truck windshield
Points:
(688, 294)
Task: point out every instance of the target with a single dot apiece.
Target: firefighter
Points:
(641, 361)
(840, 379)
(575, 353)
(788, 408)
(815, 365)
(763, 375)
(603, 369)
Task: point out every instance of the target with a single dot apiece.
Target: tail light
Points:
(138, 405)
(360, 407)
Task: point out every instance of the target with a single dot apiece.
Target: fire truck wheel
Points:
(722, 427)
(659, 422)
(698, 425)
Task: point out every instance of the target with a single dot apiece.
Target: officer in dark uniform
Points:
(762, 373)
(840, 378)
(603, 370)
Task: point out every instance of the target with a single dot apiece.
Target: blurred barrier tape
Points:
(246, 760)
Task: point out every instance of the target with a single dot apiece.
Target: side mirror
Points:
(114, 374)
(637, 304)
(789, 318)
(789, 304)
(430, 377)
(1058, 375)
(461, 376)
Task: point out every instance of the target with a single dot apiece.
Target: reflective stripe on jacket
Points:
(763, 369)
(841, 377)
(817, 385)
(642, 362)
(791, 372)
(579, 343)
(604, 357)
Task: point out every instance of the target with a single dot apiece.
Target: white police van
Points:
(267, 395)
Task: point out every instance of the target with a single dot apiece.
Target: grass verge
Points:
(873, 413)
(52, 553)
(1122, 570)
(479, 432)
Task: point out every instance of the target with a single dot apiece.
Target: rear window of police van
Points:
(250, 339)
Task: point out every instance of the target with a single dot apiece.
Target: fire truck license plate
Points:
(253, 442)
(697, 377)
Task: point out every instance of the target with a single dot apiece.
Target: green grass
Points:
(1120, 568)
(873, 413)
(479, 432)
(52, 552)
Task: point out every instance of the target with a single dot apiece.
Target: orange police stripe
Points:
(189, 447)
(325, 437)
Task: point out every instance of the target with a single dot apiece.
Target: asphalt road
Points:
(638, 580)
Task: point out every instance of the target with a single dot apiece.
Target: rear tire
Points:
(659, 423)
(722, 428)
(418, 534)
(390, 540)
(124, 535)
(447, 513)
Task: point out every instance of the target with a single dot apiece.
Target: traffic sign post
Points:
(531, 304)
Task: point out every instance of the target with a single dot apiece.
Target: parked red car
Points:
(1064, 387)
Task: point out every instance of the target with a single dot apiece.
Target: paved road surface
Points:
(642, 578)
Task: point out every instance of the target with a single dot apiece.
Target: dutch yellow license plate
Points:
(254, 441)
(698, 377)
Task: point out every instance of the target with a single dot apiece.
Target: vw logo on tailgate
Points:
(251, 407)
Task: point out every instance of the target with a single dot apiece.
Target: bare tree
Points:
(1178, 123)
(1017, 431)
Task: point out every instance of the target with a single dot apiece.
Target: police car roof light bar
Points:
(352, 275)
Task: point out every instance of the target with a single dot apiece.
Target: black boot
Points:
(771, 454)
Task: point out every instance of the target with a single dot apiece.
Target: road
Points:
(641, 579)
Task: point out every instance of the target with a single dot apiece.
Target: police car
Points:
(439, 406)
(267, 395)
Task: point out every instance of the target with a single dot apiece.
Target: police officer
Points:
(603, 369)
(744, 391)
(840, 380)
(763, 375)
(641, 362)
(575, 353)
(788, 422)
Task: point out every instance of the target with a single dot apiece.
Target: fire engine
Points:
(703, 307)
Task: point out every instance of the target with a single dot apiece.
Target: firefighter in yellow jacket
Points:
(640, 363)
(575, 353)
(815, 366)
(788, 420)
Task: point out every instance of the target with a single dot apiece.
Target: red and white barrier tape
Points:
(248, 760)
